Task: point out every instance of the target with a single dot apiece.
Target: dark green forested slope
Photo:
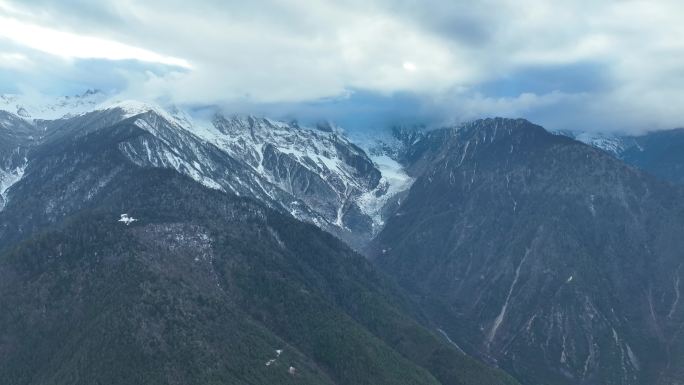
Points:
(203, 289)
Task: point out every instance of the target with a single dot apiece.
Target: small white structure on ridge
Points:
(126, 219)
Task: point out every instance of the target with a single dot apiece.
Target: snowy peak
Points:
(45, 108)
(237, 125)
(319, 166)
(326, 178)
(130, 108)
(610, 143)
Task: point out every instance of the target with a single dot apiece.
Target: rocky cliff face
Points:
(319, 167)
(548, 257)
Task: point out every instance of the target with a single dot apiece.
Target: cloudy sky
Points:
(586, 65)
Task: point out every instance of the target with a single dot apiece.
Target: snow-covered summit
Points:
(132, 108)
(49, 108)
(326, 153)
(611, 143)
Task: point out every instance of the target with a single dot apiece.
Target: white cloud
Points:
(409, 66)
(14, 60)
(290, 51)
(70, 45)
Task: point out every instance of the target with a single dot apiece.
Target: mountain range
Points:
(149, 244)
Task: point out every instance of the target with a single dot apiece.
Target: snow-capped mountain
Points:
(613, 144)
(315, 174)
(46, 108)
(317, 165)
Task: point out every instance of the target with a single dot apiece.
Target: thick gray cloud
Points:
(590, 65)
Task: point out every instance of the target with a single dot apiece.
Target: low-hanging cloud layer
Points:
(585, 65)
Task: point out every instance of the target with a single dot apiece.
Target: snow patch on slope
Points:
(502, 314)
(29, 107)
(9, 178)
(132, 108)
(165, 157)
(606, 142)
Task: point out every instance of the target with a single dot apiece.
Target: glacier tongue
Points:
(394, 181)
